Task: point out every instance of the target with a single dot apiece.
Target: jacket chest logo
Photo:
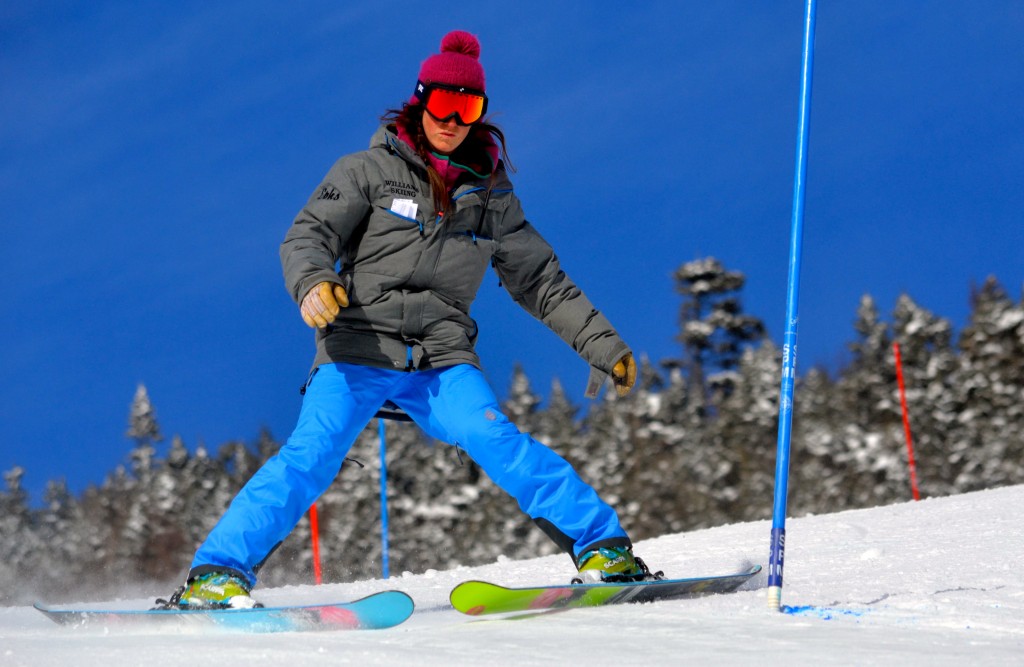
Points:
(400, 188)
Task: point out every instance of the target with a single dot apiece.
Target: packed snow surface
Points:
(934, 582)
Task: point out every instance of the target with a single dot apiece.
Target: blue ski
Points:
(380, 610)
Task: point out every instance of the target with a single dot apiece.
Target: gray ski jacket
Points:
(412, 273)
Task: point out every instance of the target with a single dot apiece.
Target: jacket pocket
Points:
(412, 221)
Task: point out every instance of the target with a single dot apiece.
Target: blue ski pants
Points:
(453, 404)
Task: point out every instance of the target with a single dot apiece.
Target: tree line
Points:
(692, 446)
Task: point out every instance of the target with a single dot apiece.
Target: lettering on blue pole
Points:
(777, 557)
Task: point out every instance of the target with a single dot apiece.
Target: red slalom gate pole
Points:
(314, 530)
(906, 421)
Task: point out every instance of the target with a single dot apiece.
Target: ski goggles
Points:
(443, 102)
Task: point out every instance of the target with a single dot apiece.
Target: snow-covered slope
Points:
(933, 582)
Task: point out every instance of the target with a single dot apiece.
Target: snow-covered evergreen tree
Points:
(20, 541)
(990, 451)
(142, 423)
(817, 451)
(522, 402)
(62, 539)
(931, 376)
(713, 328)
(555, 425)
(869, 448)
(745, 436)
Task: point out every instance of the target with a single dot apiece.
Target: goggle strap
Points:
(421, 91)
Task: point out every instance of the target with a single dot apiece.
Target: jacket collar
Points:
(478, 160)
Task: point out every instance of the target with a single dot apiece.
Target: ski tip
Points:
(390, 593)
(403, 598)
(464, 596)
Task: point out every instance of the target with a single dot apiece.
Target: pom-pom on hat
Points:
(458, 64)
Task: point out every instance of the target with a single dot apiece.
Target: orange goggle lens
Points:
(443, 103)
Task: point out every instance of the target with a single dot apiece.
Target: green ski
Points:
(480, 597)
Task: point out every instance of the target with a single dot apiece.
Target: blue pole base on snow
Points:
(775, 565)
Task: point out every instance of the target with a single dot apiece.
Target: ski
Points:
(481, 597)
(374, 612)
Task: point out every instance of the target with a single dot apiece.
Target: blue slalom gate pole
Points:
(778, 537)
(383, 502)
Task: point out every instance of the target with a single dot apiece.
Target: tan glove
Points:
(322, 304)
(624, 375)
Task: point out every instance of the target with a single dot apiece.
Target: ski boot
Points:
(612, 564)
(213, 590)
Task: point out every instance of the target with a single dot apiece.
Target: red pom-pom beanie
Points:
(458, 64)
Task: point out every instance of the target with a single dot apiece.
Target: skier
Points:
(384, 261)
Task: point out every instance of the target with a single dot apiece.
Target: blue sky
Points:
(152, 156)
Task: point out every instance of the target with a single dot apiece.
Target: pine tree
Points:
(817, 448)
(745, 436)
(867, 382)
(142, 423)
(206, 492)
(931, 375)
(177, 455)
(653, 497)
(63, 540)
(349, 516)
(714, 330)
(555, 425)
(522, 403)
(20, 543)
(990, 451)
(868, 454)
